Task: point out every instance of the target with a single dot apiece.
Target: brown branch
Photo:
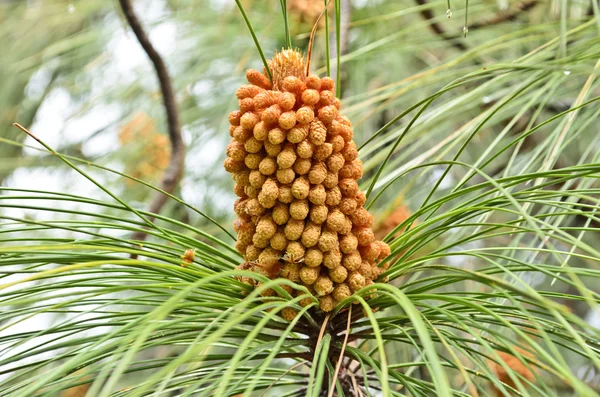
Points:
(174, 171)
(507, 16)
(428, 15)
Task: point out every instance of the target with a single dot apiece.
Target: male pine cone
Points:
(300, 212)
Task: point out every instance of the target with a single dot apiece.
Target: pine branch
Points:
(437, 28)
(507, 16)
(174, 171)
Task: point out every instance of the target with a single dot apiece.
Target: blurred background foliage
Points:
(485, 89)
(73, 74)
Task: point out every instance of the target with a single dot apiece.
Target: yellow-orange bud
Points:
(352, 261)
(322, 152)
(335, 220)
(332, 259)
(327, 113)
(326, 303)
(272, 149)
(338, 274)
(328, 241)
(348, 187)
(300, 188)
(253, 145)
(285, 176)
(289, 313)
(348, 206)
(285, 194)
(249, 120)
(260, 131)
(291, 271)
(256, 179)
(356, 281)
(305, 115)
(305, 149)
(310, 97)
(293, 229)
(317, 195)
(258, 79)
(348, 243)
(302, 166)
(252, 160)
(268, 194)
(299, 209)
(295, 251)
(311, 234)
(232, 166)
(317, 174)
(276, 136)
(323, 286)
(331, 180)
(317, 133)
(313, 82)
(309, 275)
(318, 213)
(286, 158)
(271, 114)
(287, 120)
(313, 257)
(254, 208)
(281, 214)
(297, 134)
(252, 253)
(279, 242)
(335, 162)
(341, 292)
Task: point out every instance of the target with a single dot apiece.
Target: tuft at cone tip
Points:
(288, 62)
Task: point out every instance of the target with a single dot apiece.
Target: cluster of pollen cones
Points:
(301, 214)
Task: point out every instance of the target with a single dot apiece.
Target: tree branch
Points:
(428, 15)
(506, 16)
(174, 171)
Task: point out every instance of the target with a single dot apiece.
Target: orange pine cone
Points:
(154, 155)
(295, 166)
(515, 364)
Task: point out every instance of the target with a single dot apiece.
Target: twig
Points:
(311, 41)
(437, 28)
(355, 384)
(174, 171)
(428, 15)
(282, 375)
(321, 333)
(505, 16)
